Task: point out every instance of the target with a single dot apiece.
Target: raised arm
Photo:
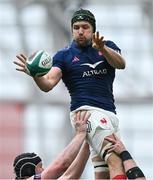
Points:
(63, 161)
(112, 57)
(45, 83)
(76, 168)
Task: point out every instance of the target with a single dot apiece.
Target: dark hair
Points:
(24, 165)
(84, 15)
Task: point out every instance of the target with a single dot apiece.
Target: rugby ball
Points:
(39, 63)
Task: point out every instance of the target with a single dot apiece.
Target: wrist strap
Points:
(125, 155)
(135, 173)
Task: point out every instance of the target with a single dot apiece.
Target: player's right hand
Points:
(21, 63)
(80, 121)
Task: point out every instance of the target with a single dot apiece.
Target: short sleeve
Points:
(58, 60)
(113, 46)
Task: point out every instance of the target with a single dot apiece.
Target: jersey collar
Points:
(80, 49)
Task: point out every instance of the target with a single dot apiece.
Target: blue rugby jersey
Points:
(87, 76)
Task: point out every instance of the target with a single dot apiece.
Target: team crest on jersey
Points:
(103, 121)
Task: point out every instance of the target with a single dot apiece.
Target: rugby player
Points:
(87, 67)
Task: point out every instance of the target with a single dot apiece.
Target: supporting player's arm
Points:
(64, 160)
(130, 166)
(46, 82)
(76, 168)
(112, 57)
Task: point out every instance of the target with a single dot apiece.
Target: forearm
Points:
(70, 152)
(63, 161)
(129, 164)
(78, 165)
(131, 169)
(47, 82)
(66, 157)
(43, 83)
(113, 58)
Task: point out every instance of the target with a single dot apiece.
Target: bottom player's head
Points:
(83, 25)
(26, 165)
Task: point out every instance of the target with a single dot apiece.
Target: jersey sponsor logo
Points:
(94, 72)
(93, 66)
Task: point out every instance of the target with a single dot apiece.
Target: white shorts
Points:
(100, 124)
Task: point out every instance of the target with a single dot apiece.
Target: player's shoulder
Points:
(62, 53)
(109, 42)
(112, 45)
(63, 50)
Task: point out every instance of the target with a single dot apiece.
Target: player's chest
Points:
(80, 62)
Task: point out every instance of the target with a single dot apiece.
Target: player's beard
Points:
(84, 42)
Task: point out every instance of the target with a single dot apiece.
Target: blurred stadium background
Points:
(31, 120)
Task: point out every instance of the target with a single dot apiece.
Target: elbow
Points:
(45, 89)
(122, 65)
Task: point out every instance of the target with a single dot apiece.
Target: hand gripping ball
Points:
(39, 63)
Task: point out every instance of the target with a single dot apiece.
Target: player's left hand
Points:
(98, 41)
